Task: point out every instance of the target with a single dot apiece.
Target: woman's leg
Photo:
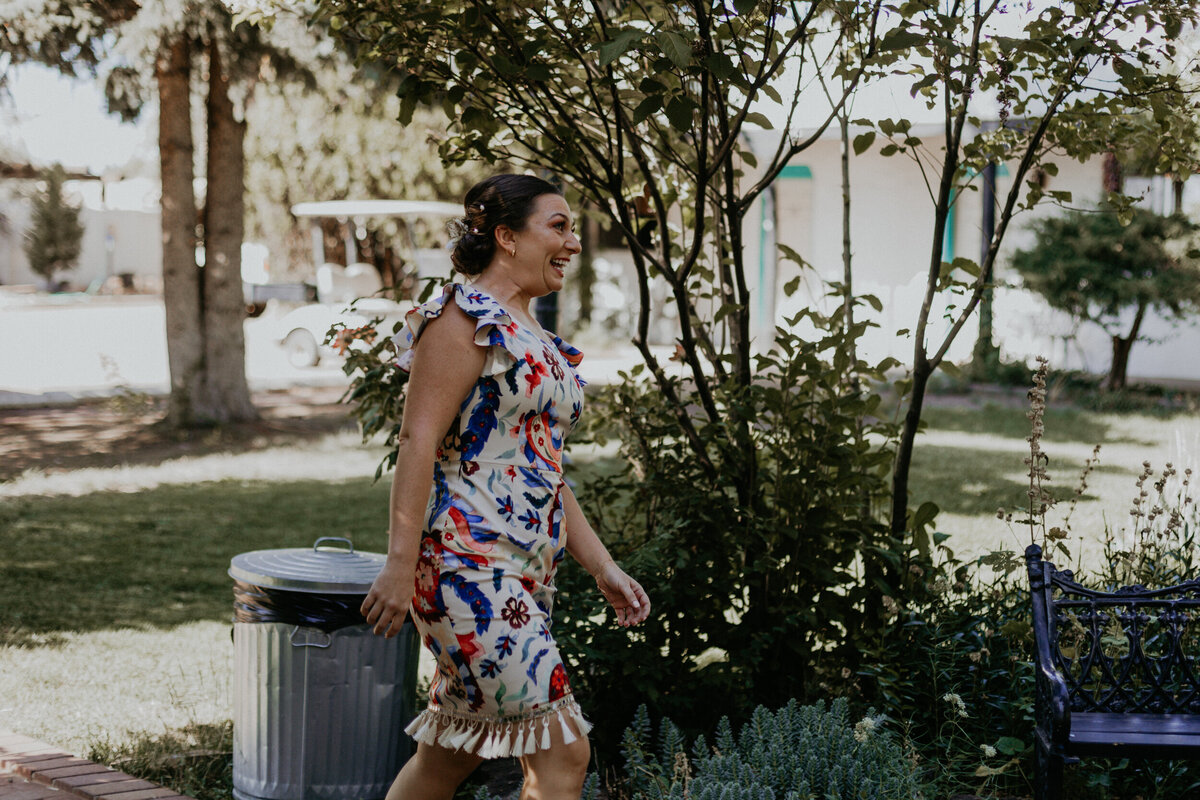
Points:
(432, 773)
(557, 773)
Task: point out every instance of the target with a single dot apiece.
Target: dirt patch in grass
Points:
(128, 430)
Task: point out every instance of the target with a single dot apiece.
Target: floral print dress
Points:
(493, 536)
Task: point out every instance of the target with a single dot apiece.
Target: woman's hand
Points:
(388, 600)
(624, 594)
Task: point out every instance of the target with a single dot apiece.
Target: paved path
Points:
(33, 770)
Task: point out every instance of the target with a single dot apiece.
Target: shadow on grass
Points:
(970, 481)
(107, 434)
(158, 558)
(1062, 424)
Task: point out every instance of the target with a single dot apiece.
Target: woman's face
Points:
(545, 246)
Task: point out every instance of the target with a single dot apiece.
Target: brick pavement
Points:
(33, 770)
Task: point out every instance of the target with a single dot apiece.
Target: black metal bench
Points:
(1116, 671)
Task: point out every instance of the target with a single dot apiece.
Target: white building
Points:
(122, 234)
(891, 230)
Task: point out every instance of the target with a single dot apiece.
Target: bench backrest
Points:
(1131, 650)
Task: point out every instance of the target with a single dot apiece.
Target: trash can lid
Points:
(309, 569)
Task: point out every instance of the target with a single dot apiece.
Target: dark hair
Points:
(499, 200)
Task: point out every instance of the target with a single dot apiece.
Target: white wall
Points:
(891, 226)
(129, 213)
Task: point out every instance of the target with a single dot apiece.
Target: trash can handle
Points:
(306, 643)
(349, 543)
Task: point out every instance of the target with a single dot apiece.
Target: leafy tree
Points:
(1075, 80)
(757, 465)
(344, 143)
(1097, 268)
(169, 47)
(754, 465)
(168, 44)
(55, 235)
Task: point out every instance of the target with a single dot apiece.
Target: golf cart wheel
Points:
(301, 348)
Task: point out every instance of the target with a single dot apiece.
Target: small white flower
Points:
(956, 703)
(988, 750)
(864, 728)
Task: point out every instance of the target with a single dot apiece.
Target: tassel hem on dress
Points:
(495, 737)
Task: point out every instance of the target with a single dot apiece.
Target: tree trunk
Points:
(586, 279)
(847, 255)
(1121, 346)
(986, 355)
(181, 278)
(906, 445)
(1114, 175)
(226, 396)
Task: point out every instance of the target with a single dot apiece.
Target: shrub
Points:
(763, 587)
(794, 753)
(956, 667)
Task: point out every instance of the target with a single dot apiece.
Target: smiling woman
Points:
(480, 513)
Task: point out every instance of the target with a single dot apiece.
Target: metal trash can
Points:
(320, 702)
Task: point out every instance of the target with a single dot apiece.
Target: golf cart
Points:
(302, 331)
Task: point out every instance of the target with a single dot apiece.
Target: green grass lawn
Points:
(158, 558)
(115, 605)
(970, 462)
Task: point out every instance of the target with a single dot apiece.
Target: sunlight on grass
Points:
(108, 684)
(970, 462)
(334, 457)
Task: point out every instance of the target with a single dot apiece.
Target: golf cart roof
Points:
(376, 208)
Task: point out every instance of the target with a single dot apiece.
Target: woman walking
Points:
(480, 514)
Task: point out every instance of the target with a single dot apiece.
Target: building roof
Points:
(376, 208)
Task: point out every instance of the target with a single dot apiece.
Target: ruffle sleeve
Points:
(494, 328)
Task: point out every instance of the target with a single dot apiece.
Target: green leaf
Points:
(679, 112)
(889, 150)
(791, 286)
(966, 265)
(901, 39)
(1010, 745)
(721, 66)
(647, 107)
(791, 255)
(675, 47)
(651, 86)
(924, 514)
(743, 7)
(863, 141)
(621, 44)
(760, 120)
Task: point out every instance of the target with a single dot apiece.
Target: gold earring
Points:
(512, 253)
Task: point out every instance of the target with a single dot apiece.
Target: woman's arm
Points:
(445, 367)
(623, 593)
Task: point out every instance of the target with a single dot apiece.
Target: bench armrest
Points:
(1052, 705)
